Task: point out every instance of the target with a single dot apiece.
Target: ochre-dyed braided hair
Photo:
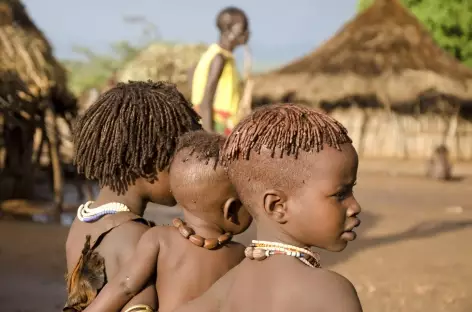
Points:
(286, 128)
(205, 146)
(131, 131)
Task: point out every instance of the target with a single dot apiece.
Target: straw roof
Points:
(25, 51)
(384, 55)
(164, 61)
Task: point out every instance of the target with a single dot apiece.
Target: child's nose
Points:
(354, 208)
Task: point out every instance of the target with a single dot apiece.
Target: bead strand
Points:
(87, 214)
(207, 243)
(282, 245)
(261, 250)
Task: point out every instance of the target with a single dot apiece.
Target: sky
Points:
(280, 30)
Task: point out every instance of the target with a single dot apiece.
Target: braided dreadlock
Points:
(131, 131)
(205, 146)
(286, 128)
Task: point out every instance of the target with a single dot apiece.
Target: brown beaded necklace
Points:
(207, 243)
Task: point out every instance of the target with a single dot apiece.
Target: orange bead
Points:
(210, 243)
(177, 222)
(197, 240)
(185, 231)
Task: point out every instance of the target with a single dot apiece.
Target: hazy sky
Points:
(281, 30)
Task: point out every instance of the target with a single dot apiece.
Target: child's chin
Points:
(338, 246)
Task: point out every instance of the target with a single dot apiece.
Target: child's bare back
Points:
(278, 285)
(184, 270)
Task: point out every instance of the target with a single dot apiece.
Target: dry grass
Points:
(26, 54)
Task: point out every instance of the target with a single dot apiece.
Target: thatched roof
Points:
(25, 51)
(164, 61)
(384, 54)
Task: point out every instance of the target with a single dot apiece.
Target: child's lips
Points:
(351, 224)
(349, 234)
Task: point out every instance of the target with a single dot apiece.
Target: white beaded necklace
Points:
(272, 248)
(87, 214)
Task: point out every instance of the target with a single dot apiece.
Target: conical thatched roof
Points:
(164, 61)
(25, 51)
(384, 54)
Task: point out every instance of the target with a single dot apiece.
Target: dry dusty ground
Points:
(413, 253)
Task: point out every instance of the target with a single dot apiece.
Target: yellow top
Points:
(228, 93)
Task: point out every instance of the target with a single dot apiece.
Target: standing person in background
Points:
(216, 85)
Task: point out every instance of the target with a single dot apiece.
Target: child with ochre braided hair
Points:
(193, 253)
(125, 140)
(294, 169)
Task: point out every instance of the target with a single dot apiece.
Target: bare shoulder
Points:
(218, 60)
(331, 292)
(212, 299)
(238, 250)
(128, 235)
(134, 230)
(154, 234)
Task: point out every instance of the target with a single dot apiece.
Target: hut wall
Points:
(377, 133)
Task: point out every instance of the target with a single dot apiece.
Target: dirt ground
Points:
(413, 251)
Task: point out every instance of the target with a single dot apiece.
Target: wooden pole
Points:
(51, 132)
(245, 105)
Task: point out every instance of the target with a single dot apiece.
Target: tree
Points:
(450, 23)
(94, 69)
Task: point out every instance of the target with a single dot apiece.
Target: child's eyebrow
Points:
(349, 184)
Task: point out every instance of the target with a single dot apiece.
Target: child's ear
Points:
(231, 209)
(275, 205)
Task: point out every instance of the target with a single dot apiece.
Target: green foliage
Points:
(97, 68)
(450, 23)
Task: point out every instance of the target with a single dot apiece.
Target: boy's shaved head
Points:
(203, 145)
(194, 173)
(257, 149)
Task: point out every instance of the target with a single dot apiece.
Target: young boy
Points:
(125, 141)
(216, 87)
(191, 255)
(294, 169)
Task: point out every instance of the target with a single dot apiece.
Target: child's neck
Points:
(271, 234)
(131, 199)
(200, 226)
(226, 44)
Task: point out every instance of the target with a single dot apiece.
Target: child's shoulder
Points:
(330, 290)
(160, 230)
(237, 250)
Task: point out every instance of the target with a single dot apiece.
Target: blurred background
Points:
(396, 73)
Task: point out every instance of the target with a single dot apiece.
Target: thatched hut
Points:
(385, 78)
(164, 61)
(33, 89)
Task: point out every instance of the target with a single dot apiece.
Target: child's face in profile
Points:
(241, 33)
(323, 210)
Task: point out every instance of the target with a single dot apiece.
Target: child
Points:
(125, 141)
(192, 254)
(216, 88)
(294, 169)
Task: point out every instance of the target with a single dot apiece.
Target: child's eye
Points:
(343, 194)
